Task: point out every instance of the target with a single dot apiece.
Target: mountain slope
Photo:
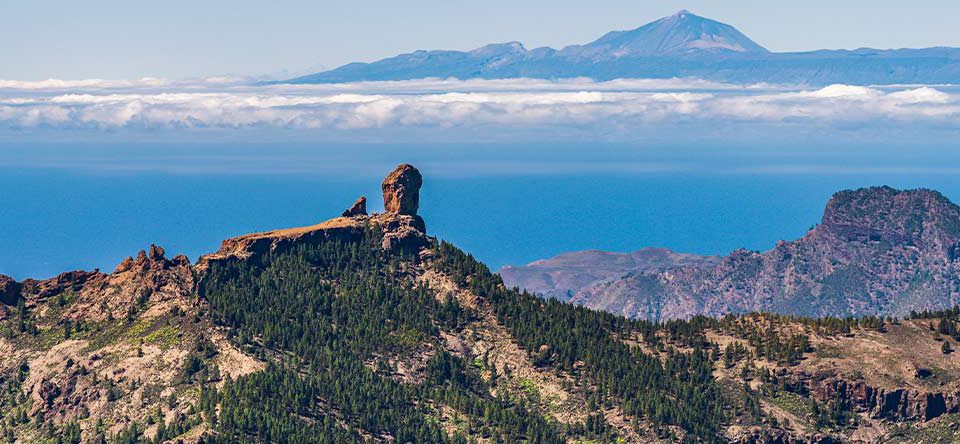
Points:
(565, 275)
(364, 329)
(682, 45)
(877, 251)
(358, 329)
(683, 32)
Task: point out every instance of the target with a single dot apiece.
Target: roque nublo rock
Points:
(401, 190)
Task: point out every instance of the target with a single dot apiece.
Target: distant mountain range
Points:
(681, 45)
(877, 251)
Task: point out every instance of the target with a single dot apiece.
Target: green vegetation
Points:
(320, 310)
(943, 430)
(679, 391)
(330, 318)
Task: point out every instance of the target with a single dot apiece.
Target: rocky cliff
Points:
(876, 251)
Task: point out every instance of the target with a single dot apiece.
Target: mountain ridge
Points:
(364, 329)
(681, 45)
(877, 251)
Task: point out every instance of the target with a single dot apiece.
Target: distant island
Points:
(681, 45)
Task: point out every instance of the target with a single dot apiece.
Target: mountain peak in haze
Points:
(681, 45)
(679, 33)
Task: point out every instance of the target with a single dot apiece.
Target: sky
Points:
(176, 39)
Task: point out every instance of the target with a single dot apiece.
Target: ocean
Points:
(66, 206)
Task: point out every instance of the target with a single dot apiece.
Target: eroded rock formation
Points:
(401, 227)
(359, 208)
(878, 251)
(896, 404)
(9, 290)
(401, 190)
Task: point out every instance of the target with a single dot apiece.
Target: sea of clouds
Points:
(621, 107)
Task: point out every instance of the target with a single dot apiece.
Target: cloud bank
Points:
(622, 107)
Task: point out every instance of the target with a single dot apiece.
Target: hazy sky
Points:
(71, 39)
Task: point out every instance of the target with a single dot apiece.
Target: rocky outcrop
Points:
(114, 372)
(878, 251)
(72, 281)
(759, 435)
(897, 404)
(359, 208)
(9, 290)
(401, 227)
(150, 279)
(401, 190)
(402, 232)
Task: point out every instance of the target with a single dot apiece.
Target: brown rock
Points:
(9, 290)
(125, 265)
(402, 233)
(181, 260)
(896, 404)
(359, 208)
(156, 252)
(401, 190)
(878, 251)
(68, 281)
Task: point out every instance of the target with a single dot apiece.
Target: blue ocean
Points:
(72, 206)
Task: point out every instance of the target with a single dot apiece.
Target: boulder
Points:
(359, 208)
(156, 253)
(9, 290)
(401, 190)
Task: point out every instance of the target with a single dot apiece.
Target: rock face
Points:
(359, 208)
(73, 281)
(878, 251)
(895, 404)
(9, 290)
(149, 278)
(401, 190)
(779, 436)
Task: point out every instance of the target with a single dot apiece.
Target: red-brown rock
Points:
(9, 290)
(401, 190)
(359, 208)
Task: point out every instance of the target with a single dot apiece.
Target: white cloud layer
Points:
(526, 104)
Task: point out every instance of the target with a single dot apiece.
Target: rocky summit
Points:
(363, 329)
(359, 208)
(877, 251)
(401, 190)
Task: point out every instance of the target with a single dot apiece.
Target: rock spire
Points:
(401, 190)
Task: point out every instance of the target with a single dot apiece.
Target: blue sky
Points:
(177, 38)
